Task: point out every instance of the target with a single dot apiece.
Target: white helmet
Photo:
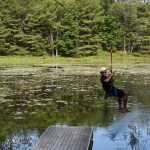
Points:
(103, 69)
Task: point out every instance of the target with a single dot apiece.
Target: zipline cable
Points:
(72, 14)
(67, 9)
(59, 3)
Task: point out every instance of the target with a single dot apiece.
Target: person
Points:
(111, 90)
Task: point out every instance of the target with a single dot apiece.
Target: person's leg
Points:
(125, 100)
(116, 93)
(119, 103)
(122, 97)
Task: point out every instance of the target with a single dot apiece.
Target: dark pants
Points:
(115, 92)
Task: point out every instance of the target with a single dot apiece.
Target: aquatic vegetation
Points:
(32, 98)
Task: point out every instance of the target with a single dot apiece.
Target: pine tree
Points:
(90, 14)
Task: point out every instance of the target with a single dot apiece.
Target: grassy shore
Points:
(102, 58)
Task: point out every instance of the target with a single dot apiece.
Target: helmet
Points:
(103, 69)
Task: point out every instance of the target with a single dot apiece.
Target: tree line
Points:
(73, 27)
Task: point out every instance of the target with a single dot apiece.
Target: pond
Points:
(33, 98)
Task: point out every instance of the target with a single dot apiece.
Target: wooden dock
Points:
(65, 138)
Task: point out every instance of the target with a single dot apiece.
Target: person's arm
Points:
(109, 77)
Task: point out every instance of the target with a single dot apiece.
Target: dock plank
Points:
(64, 138)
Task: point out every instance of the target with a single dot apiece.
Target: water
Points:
(33, 98)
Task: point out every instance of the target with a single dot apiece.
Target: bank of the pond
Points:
(102, 58)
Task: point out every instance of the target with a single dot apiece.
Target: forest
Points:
(73, 28)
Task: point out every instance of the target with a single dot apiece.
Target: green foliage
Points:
(90, 14)
(106, 4)
(75, 28)
(111, 33)
(67, 41)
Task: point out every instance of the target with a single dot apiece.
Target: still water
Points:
(33, 98)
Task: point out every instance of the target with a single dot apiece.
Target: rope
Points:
(111, 60)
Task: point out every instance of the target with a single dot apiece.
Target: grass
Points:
(102, 58)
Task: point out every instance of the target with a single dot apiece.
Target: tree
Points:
(127, 16)
(111, 33)
(143, 44)
(106, 4)
(90, 13)
(14, 19)
(72, 27)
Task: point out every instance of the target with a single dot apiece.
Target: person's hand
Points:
(113, 72)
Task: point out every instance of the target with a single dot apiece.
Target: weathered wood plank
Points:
(64, 138)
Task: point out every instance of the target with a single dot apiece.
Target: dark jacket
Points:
(107, 86)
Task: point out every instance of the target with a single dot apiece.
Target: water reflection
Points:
(21, 139)
(128, 132)
(34, 98)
